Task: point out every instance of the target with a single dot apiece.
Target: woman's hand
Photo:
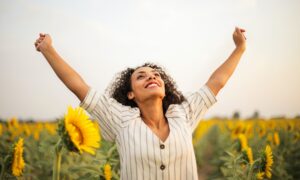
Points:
(239, 38)
(43, 43)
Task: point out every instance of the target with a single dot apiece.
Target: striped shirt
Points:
(143, 155)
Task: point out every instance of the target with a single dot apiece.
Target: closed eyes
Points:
(140, 76)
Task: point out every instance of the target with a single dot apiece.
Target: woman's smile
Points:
(152, 84)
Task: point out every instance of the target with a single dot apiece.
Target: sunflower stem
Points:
(111, 150)
(250, 172)
(57, 160)
(2, 170)
(252, 167)
(3, 163)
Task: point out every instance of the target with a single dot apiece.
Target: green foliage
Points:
(39, 155)
(221, 153)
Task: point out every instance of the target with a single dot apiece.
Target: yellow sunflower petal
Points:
(269, 161)
(260, 175)
(107, 171)
(243, 141)
(18, 161)
(250, 155)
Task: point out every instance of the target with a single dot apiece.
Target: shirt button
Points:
(162, 167)
(162, 146)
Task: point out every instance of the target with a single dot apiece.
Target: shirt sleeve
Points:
(98, 106)
(197, 104)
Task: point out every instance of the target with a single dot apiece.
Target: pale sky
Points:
(189, 38)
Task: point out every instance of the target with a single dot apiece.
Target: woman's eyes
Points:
(142, 76)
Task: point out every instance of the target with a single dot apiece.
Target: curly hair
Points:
(121, 85)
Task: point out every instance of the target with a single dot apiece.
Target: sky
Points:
(190, 39)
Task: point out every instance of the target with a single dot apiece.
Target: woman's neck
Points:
(152, 113)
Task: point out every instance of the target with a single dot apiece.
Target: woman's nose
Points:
(151, 76)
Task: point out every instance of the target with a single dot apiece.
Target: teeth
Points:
(152, 85)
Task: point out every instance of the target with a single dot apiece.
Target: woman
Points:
(148, 118)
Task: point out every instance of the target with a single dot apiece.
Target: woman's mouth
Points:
(152, 85)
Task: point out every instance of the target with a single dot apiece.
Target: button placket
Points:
(162, 151)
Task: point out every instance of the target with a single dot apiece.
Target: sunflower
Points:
(13, 123)
(260, 175)
(276, 139)
(36, 135)
(247, 155)
(238, 129)
(270, 138)
(262, 130)
(18, 162)
(249, 130)
(250, 155)
(267, 161)
(243, 141)
(1, 129)
(81, 131)
(107, 171)
(290, 126)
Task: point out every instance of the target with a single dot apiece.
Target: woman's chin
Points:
(156, 94)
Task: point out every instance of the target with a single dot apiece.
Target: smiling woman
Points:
(143, 112)
(122, 87)
(151, 143)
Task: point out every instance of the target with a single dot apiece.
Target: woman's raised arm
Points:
(65, 72)
(221, 75)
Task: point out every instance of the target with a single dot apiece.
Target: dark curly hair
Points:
(121, 85)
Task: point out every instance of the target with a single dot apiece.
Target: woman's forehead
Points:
(144, 69)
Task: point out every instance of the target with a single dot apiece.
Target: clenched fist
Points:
(43, 42)
(239, 38)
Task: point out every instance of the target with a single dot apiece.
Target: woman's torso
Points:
(144, 155)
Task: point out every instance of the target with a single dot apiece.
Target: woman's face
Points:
(146, 83)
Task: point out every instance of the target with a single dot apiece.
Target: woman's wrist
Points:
(47, 49)
(240, 48)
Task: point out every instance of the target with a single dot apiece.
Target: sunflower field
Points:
(248, 149)
(71, 148)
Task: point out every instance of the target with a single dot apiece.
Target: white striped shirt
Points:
(143, 155)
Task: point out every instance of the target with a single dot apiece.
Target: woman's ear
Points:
(130, 95)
